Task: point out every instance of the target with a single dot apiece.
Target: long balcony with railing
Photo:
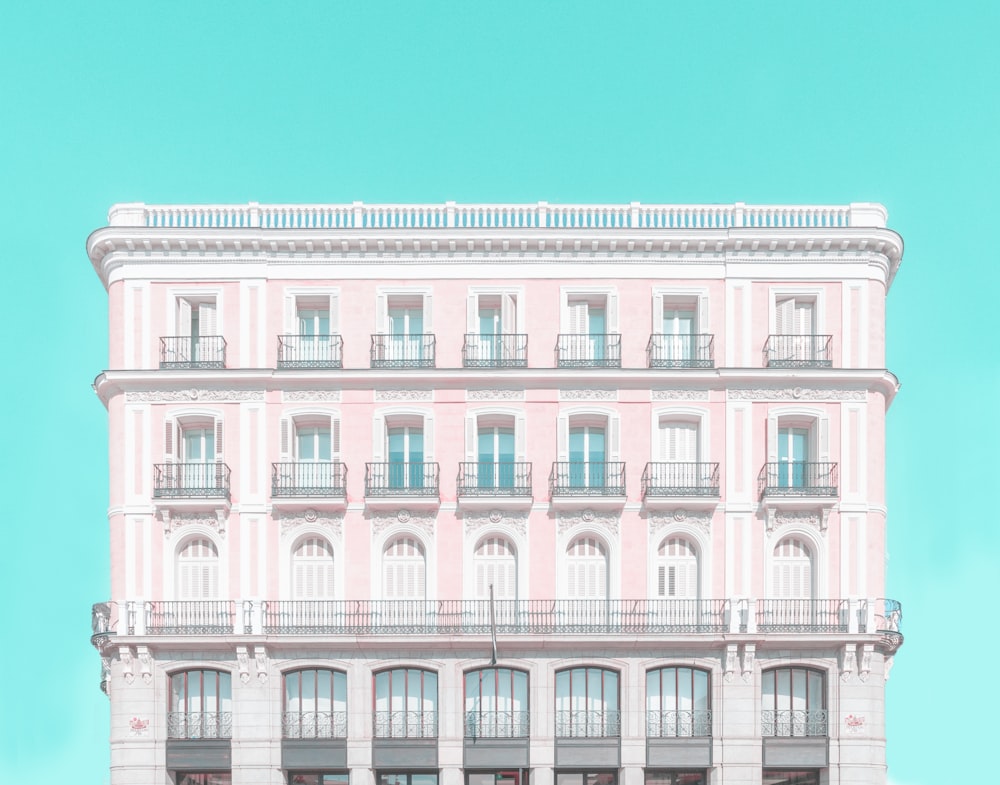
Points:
(794, 722)
(678, 723)
(403, 351)
(665, 480)
(498, 350)
(191, 481)
(185, 617)
(314, 725)
(310, 351)
(588, 723)
(795, 479)
(189, 353)
(418, 724)
(587, 478)
(487, 724)
(788, 615)
(681, 351)
(406, 478)
(493, 479)
(199, 725)
(308, 479)
(798, 351)
(589, 350)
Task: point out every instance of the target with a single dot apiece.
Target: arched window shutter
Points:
(614, 437)
(520, 445)
(334, 437)
(612, 312)
(702, 326)
(334, 314)
(285, 448)
(291, 325)
(428, 313)
(657, 313)
(470, 437)
(472, 315)
(429, 437)
(772, 439)
(378, 439)
(381, 313)
(824, 438)
(562, 427)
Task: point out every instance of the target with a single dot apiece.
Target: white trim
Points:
(703, 551)
(430, 558)
(520, 543)
(696, 414)
(519, 294)
(175, 293)
(820, 558)
(817, 294)
(333, 292)
(612, 549)
(191, 532)
(286, 547)
(565, 292)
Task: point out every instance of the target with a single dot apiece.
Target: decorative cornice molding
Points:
(588, 395)
(172, 521)
(679, 395)
(423, 520)
(193, 395)
(667, 518)
(516, 520)
(494, 394)
(310, 396)
(404, 395)
(817, 518)
(605, 520)
(289, 521)
(793, 394)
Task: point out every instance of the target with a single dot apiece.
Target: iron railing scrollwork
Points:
(798, 478)
(588, 723)
(888, 621)
(670, 723)
(793, 722)
(784, 615)
(190, 617)
(403, 478)
(488, 478)
(680, 479)
(403, 351)
(798, 351)
(681, 351)
(587, 478)
(199, 725)
(496, 724)
(191, 480)
(185, 352)
(314, 725)
(310, 351)
(589, 350)
(308, 478)
(405, 724)
(497, 350)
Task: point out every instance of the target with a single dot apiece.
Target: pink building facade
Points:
(455, 495)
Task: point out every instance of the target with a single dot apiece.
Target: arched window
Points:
(198, 570)
(496, 703)
(315, 704)
(495, 563)
(405, 704)
(587, 703)
(793, 702)
(677, 702)
(313, 570)
(792, 570)
(677, 569)
(200, 705)
(403, 570)
(586, 569)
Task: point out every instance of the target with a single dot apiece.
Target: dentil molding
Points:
(192, 395)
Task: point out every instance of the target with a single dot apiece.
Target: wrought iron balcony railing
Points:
(410, 478)
(187, 617)
(803, 615)
(315, 479)
(671, 723)
(680, 479)
(314, 725)
(405, 724)
(588, 723)
(795, 722)
(798, 351)
(798, 478)
(472, 617)
(589, 350)
(496, 725)
(486, 478)
(888, 620)
(681, 351)
(191, 481)
(402, 351)
(587, 478)
(310, 351)
(184, 352)
(498, 350)
(199, 725)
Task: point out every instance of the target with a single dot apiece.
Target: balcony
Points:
(681, 351)
(794, 723)
(591, 482)
(697, 484)
(593, 350)
(403, 351)
(405, 725)
(187, 353)
(389, 483)
(681, 723)
(184, 617)
(310, 351)
(807, 616)
(483, 483)
(199, 725)
(495, 351)
(794, 479)
(314, 725)
(588, 724)
(798, 351)
(496, 724)
(309, 484)
(191, 481)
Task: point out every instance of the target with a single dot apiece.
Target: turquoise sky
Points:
(894, 102)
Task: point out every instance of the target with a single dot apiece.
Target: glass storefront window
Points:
(587, 777)
(208, 778)
(791, 777)
(408, 778)
(659, 777)
(318, 778)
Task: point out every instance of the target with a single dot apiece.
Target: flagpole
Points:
(493, 628)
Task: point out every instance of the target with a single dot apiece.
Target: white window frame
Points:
(517, 540)
(817, 420)
(611, 309)
(430, 559)
(472, 307)
(815, 544)
(194, 531)
(816, 295)
(700, 301)
(381, 425)
(612, 549)
(290, 540)
(382, 295)
(612, 433)
(175, 295)
(682, 414)
(291, 297)
(702, 545)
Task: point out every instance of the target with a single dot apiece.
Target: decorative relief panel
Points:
(794, 394)
(679, 395)
(818, 519)
(518, 521)
(289, 521)
(661, 520)
(588, 395)
(191, 395)
(494, 394)
(423, 520)
(607, 520)
(310, 396)
(172, 521)
(404, 395)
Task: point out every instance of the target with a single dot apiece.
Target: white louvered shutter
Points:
(207, 319)
(334, 314)
(219, 442)
(823, 451)
(170, 441)
(183, 317)
(614, 437)
(334, 437)
(428, 438)
(562, 437)
(657, 314)
(378, 439)
(313, 571)
(285, 447)
(291, 325)
(520, 439)
(701, 324)
(577, 321)
(508, 314)
(772, 439)
(611, 325)
(472, 314)
(428, 313)
(784, 316)
(381, 313)
(803, 318)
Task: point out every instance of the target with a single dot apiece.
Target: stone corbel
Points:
(105, 675)
(848, 660)
(749, 652)
(888, 665)
(145, 664)
(127, 660)
(260, 659)
(223, 516)
(730, 668)
(243, 662)
(769, 522)
(165, 517)
(824, 518)
(865, 666)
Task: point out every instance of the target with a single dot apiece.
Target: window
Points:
(793, 702)
(677, 702)
(589, 336)
(494, 337)
(193, 464)
(319, 778)
(796, 342)
(197, 342)
(209, 778)
(200, 705)
(408, 778)
(588, 456)
(495, 564)
(315, 704)
(587, 703)
(496, 703)
(310, 339)
(678, 441)
(494, 456)
(798, 454)
(404, 336)
(794, 316)
(198, 570)
(680, 338)
(313, 570)
(310, 456)
(676, 569)
(790, 777)
(586, 569)
(792, 570)
(403, 449)
(403, 570)
(608, 777)
(405, 704)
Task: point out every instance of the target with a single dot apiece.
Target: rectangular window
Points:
(196, 342)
